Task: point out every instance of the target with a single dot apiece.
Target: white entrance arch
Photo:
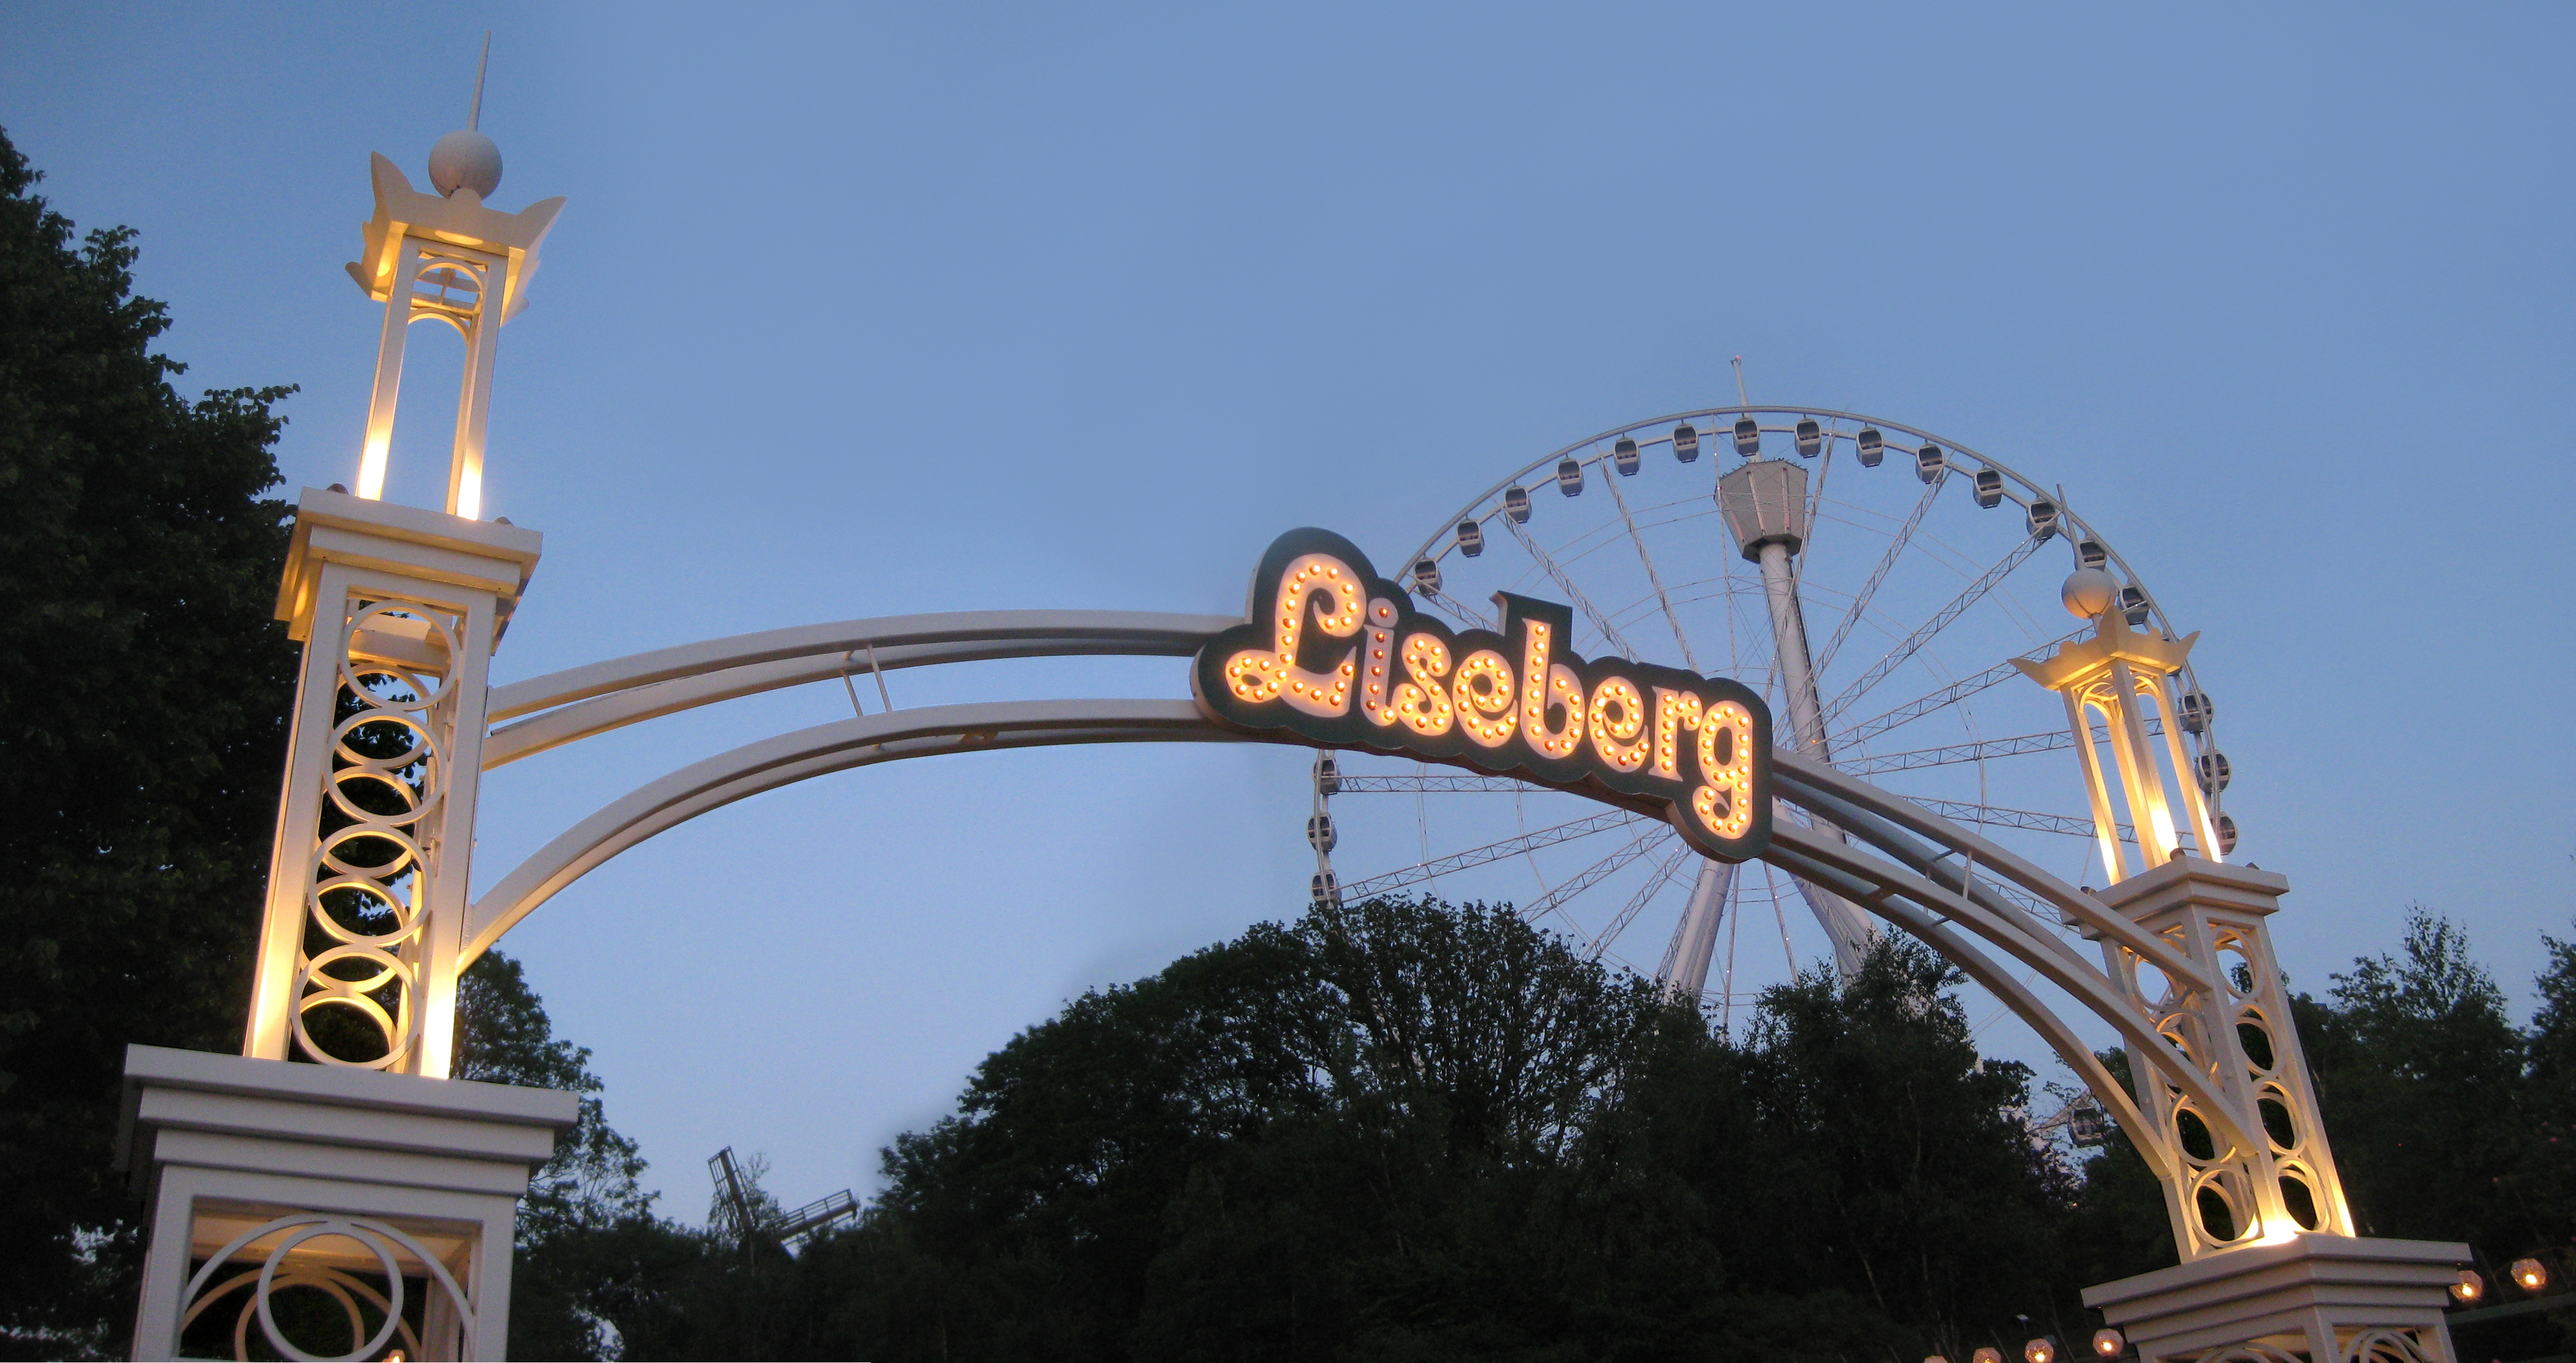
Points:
(1928, 875)
(368, 914)
(400, 608)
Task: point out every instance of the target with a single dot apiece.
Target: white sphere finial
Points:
(2088, 592)
(465, 159)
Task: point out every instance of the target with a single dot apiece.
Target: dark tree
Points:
(144, 690)
(1405, 1130)
(2448, 1122)
(2422, 1088)
(503, 1036)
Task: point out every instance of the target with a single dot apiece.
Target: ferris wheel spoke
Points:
(1954, 753)
(1652, 575)
(1913, 643)
(1566, 583)
(1491, 852)
(1459, 610)
(2000, 817)
(1938, 700)
(1427, 783)
(1951, 754)
(1780, 916)
(1637, 902)
(1590, 876)
(1886, 561)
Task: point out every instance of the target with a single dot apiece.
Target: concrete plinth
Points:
(262, 1175)
(2316, 1297)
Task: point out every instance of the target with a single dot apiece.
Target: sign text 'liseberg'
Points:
(1338, 656)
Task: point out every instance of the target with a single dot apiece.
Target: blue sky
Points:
(874, 311)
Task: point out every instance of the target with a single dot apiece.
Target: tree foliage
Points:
(2448, 1122)
(575, 1199)
(144, 695)
(1406, 1130)
(143, 698)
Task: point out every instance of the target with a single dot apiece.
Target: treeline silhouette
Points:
(1410, 1130)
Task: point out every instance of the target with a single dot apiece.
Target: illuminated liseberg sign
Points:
(1338, 656)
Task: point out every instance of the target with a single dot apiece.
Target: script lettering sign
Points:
(1338, 656)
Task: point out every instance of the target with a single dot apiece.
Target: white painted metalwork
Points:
(1775, 513)
(1864, 846)
(446, 257)
(400, 611)
(280, 1267)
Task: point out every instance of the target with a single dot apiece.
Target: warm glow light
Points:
(1510, 696)
(1618, 718)
(1486, 690)
(2470, 1286)
(1725, 770)
(1424, 701)
(371, 467)
(2108, 1343)
(1548, 683)
(1987, 1356)
(2529, 1275)
(1674, 711)
(1260, 675)
(2039, 1351)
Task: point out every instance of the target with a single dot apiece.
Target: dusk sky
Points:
(876, 311)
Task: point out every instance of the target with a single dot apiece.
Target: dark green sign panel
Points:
(1338, 656)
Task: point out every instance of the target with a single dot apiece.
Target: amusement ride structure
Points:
(1708, 670)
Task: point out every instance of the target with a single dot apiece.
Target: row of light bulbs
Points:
(2528, 1274)
(2106, 1343)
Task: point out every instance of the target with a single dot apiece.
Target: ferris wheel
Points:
(1872, 579)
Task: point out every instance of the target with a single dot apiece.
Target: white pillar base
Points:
(2321, 1298)
(356, 1166)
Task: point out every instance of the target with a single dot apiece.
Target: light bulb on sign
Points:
(2108, 1343)
(2470, 1286)
(2529, 1275)
(1505, 698)
(2039, 1351)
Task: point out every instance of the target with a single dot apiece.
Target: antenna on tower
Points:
(474, 116)
(1739, 379)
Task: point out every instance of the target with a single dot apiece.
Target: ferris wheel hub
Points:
(1764, 502)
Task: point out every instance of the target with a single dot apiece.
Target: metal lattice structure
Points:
(1725, 564)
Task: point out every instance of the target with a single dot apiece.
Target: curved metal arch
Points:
(564, 707)
(1147, 633)
(1912, 888)
(804, 753)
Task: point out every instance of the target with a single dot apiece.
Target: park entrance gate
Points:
(374, 1179)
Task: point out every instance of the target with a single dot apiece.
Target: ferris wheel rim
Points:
(1433, 549)
(1841, 426)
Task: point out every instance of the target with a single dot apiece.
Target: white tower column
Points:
(445, 257)
(263, 1177)
(368, 1174)
(399, 610)
(1764, 502)
(1696, 943)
